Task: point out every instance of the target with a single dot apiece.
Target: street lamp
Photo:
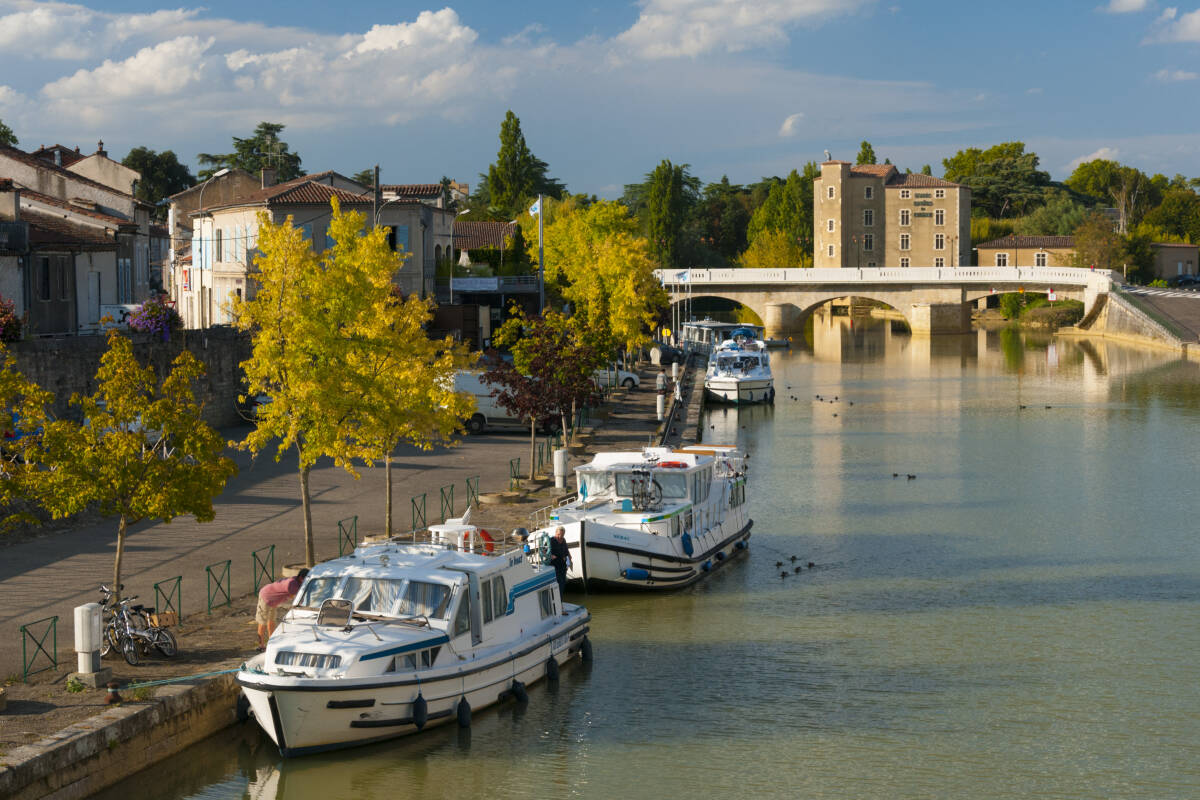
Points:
(200, 211)
(453, 260)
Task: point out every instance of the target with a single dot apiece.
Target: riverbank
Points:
(65, 740)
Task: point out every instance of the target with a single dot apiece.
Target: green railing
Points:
(28, 636)
(473, 492)
(170, 599)
(447, 505)
(540, 457)
(218, 584)
(514, 473)
(262, 566)
(418, 513)
(347, 535)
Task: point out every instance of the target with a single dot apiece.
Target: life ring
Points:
(488, 542)
(672, 464)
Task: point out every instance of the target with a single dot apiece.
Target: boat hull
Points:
(740, 391)
(304, 716)
(610, 560)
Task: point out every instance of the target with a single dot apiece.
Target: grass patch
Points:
(75, 686)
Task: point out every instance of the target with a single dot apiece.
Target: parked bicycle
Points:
(132, 629)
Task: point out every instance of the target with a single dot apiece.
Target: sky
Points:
(605, 91)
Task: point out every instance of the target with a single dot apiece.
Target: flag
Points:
(536, 208)
(681, 277)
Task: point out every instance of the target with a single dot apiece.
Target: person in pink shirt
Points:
(270, 598)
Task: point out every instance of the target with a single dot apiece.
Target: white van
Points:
(488, 413)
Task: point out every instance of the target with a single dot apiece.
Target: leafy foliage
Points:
(155, 316)
(263, 149)
(1130, 190)
(1097, 245)
(162, 174)
(142, 450)
(789, 208)
(866, 154)
(517, 175)
(23, 405)
(6, 135)
(669, 191)
(1178, 215)
(775, 249)
(1060, 216)
(364, 176)
(10, 323)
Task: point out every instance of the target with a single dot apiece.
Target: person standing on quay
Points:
(270, 598)
(560, 558)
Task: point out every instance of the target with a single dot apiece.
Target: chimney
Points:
(10, 201)
(100, 151)
(268, 177)
(57, 157)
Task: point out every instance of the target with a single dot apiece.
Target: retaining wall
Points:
(88, 756)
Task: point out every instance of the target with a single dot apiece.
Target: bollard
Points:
(675, 370)
(88, 633)
(560, 469)
(660, 405)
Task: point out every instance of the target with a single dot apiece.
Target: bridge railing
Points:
(1100, 280)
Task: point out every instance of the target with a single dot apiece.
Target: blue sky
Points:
(605, 91)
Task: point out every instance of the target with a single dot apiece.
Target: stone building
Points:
(1027, 251)
(872, 215)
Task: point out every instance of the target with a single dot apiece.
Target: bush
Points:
(1158, 283)
(10, 323)
(155, 316)
(1011, 304)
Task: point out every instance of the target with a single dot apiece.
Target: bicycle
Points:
(130, 629)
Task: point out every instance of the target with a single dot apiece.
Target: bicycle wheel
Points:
(129, 649)
(109, 642)
(164, 642)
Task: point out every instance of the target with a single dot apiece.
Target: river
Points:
(1019, 619)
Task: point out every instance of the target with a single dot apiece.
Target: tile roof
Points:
(874, 170)
(41, 163)
(46, 230)
(45, 199)
(301, 191)
(910, 180)
(413, 189)
(1052, 242)
(69, 156)
(469, 235)
(1174, 244)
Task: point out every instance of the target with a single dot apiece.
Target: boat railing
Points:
(540, 518)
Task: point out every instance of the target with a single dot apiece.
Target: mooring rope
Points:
(165, 681)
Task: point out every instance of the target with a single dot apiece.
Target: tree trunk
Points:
(574, 415)
(310, 557)
(532, 444)
(387, 506)
(116, 584)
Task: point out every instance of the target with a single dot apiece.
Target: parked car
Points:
(608, 378)
(667, 354)
(489, 414)
(1184, 281)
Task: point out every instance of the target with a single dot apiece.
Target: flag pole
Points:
(541, 261)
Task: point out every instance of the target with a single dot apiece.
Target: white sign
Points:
(1051, 296)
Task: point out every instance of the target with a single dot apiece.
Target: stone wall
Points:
(68, 365)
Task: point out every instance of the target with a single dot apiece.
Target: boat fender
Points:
(519, 693)
(585, 650)
(463, 711)
(552, 669)
(687, 543)
(489, 544)
(243, 708)
(720, 555)
(706, 566)
(741, 545)
(672, 464)
(633, 574)
(420, 711)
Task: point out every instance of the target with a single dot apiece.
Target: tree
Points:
(1060, 215)
(1130, 190)
(263, 149)
(142, 450)
(965, 163)
(1097, 245)
(775, 249)
(517, 174)
(1178, 214)
(161, 175)
(364, 176)
(717, 224)
(866, 154)
(927, 170)
(6, 135)
(788, 208)
(667, 202)
(1004, 179)
(23, 404)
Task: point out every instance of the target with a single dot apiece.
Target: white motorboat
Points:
(739, 371)
(396, 637)
(658, 519)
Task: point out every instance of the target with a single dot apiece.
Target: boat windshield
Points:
(317, 590)
(427, 599)
(593, 484)
(674, 484)
(373, 595)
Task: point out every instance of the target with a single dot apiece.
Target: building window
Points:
(829, 192)
(905, 194)
(904, 263)
(868, 217)
(1001, 259)
(44, 282)
(939, 241)
(905, 216)
(219, 249)
(904, 241)
(939, 217)
(829, 251)
(829, 225)
(939, 262)
(1039, 259)
(939, 193)
(868, 242)
(870, 265)
(869, 193)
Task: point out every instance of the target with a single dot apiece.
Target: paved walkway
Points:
(261, 506)
(1178, 305)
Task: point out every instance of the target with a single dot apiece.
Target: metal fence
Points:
(347, 535)
(447, 505)
(473, 492)
(171, 598)
(29, 636)
(418, 512)
(262, 567)
(514, 473)
(218, 584)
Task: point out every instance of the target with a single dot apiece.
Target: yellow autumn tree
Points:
(23, 408)
(774, 249)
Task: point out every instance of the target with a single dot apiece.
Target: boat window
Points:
(374, 595)
(426, 599)
(674, 484)
(317, 590)
(428, 657)
(624, 484)
(462, 619)
(595, 483)
(546, 602)
(499, 597)
(485, 592)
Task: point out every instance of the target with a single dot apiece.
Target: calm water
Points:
(1021, 619)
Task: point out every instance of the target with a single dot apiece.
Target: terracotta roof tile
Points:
(910, 180)
(469, 235)
(48, 230)
(300, 191)
(41, 163)
(1051, 242)
(69, 156)
(413, 189)
(29, 194)
(874, 170)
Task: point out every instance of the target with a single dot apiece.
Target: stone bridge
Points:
(932, 299)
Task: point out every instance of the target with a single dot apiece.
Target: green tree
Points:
(6, 135)
(1178, 214)
(866, 154)
(263, 149)
(142, 450)
(162, 175)
(517, 175)
(927, 170)
(23, 404)
(965, 163)
(1059, 216)
(788, 208)
(717, 224)
(775, 249)
(1130, 190)
(364, 176)
(1097, 245)
(1004, 180)
(668, 199)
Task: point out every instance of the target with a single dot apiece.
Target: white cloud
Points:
(164, 69)
(1170, 76)
(788, 128)
(1125, 6)
(1106, 153)
(674, 28)
(1173, 27)
(438, 28)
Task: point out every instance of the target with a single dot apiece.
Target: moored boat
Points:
(655, 519)
(398, 637)
(739, 371)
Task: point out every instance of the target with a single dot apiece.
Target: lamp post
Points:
(454, 261)
(200, 211)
